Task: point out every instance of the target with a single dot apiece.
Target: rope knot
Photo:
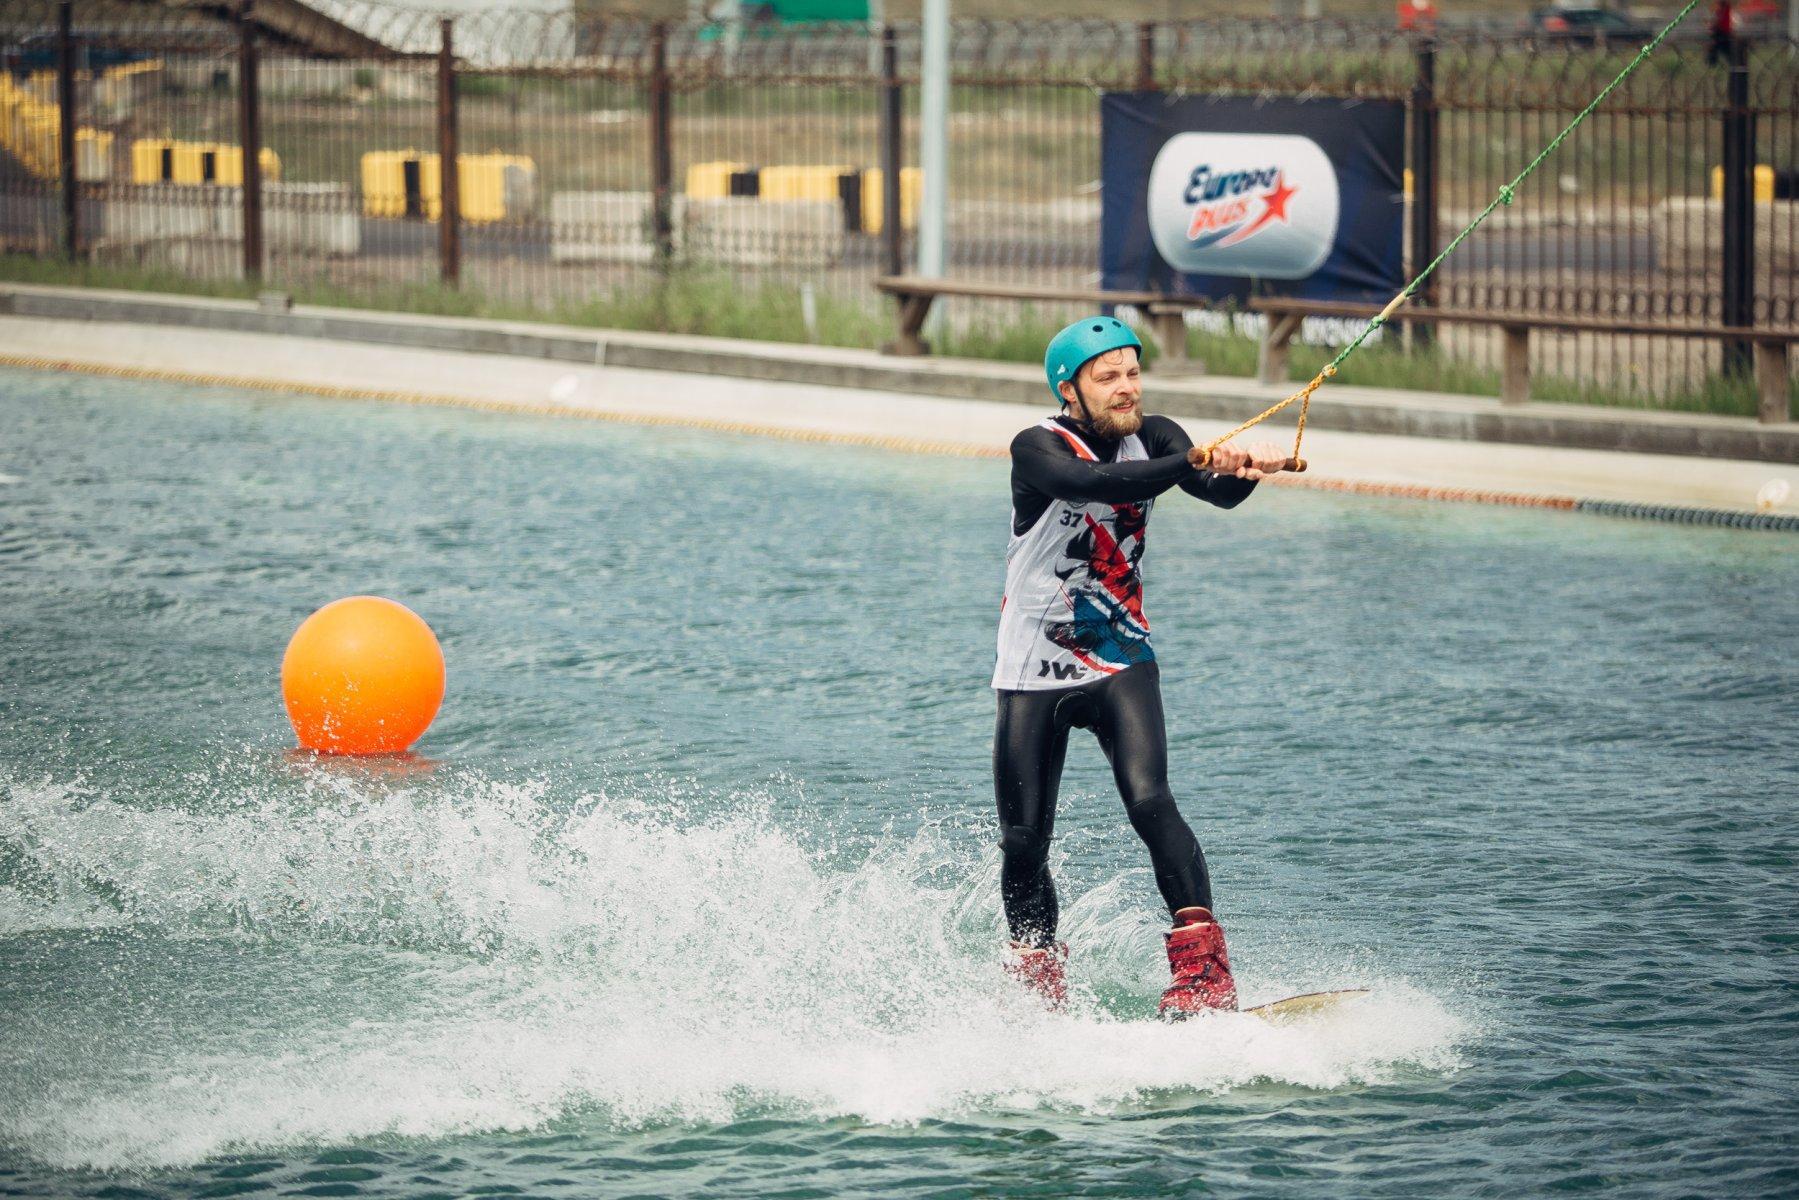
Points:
(1329, 371)
(1505, 193)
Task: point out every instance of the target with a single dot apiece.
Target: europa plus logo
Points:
(1224, 203)
(1243, 204)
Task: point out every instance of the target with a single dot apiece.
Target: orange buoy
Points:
(362, 675)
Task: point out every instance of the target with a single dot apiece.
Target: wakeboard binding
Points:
(1200, 966)
(1042, 969)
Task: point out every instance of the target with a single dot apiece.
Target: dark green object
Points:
(817, 10)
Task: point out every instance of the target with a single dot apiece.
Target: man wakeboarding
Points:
(1074, 649)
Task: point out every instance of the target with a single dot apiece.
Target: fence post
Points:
(249, 128)
(892, 153)
(661, 150)
(1423, 156)
(1739, 208)
(1146, 56)
(449, 162)
(65, 101)
(935, 78)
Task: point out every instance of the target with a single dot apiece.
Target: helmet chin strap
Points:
(1086, 415)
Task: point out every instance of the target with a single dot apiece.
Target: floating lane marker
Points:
(1668, 513)
(1403, 491)
(1420, 491)
(1729, 518)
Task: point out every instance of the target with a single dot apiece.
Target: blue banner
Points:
(1205, 197)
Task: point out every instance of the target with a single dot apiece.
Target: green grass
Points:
(1392, 366)
(716, 304)
(26, 268)
(687, 300)
(1020, 338)
(1431, 370)
(713, 304)
(1720, 395)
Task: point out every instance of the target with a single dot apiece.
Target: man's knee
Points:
(1142, 784)
(1156, 818)
(1024, 846)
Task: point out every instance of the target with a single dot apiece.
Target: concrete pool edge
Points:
(1224, 398)
(1704, 491)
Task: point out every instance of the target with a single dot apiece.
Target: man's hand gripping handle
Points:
(1263, 458)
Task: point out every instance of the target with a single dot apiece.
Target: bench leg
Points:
(1171, 332)
(1171, 339)
(1514, 377)
(1771, 383)
(912, 313)
(1271, 359)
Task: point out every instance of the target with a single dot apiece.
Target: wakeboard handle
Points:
(1286, 464)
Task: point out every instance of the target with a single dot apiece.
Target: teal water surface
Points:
(691, 890)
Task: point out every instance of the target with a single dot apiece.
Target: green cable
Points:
(1508, 191)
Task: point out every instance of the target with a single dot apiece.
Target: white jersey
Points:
(1073, 608)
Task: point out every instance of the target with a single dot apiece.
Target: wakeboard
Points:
(1306, 1007)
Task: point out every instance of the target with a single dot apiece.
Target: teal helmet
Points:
(1079, 344)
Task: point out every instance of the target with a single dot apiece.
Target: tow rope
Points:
(1507, 194)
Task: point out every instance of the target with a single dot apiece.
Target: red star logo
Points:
(1276, 206)
(1277, 199)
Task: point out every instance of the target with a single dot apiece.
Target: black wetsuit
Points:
(1124, 710)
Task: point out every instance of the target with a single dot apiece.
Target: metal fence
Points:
(766, 163)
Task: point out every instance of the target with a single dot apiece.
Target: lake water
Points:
(692, 891)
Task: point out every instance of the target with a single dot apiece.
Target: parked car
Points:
(1586, 25)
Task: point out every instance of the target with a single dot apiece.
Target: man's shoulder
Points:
(1038, 437)
(1163, 435)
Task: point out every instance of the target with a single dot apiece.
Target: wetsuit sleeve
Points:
(1044, 463)
(1162, 436)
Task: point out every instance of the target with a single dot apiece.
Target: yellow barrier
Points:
(409, 183)
(31, 129)
(495, 186)
(36, 139)
(384, 188)
(126, 70)
(802, 183)
(1764, 183)
(873, 193)
(228, 165)
(164, 160)
(147, 164)
(712, 180)
(191, 163)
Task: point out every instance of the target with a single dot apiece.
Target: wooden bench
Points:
(916, 293)
(1771, 345)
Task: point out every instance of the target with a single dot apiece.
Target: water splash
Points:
(510, 962)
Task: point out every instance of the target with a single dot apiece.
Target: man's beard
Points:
(1111, 425)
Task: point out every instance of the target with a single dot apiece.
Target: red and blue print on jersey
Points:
(1073, 609)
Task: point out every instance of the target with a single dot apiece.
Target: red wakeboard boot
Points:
(1043, 969)
(1201, 968)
